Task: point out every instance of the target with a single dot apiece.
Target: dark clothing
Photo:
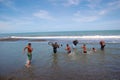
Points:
(102, 47)
(55, 46)
(84, 51)
(54, 50)
(102, 43)
(69, 52)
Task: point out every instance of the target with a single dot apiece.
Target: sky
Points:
(58, 15)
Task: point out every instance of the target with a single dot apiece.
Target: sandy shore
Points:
(18, 39)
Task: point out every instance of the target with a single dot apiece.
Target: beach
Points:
(99, 65)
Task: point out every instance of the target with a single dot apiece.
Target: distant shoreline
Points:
(18, 39)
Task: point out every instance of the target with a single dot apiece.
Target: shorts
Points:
(55, 50)
(102, 47)
(84, 51)
(69, 52)
(29, 56)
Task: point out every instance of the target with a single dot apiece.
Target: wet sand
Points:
(19, 39)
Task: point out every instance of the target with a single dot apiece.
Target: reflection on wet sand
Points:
(55, 65)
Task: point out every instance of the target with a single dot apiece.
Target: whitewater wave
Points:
(82, 39)
(67, 37)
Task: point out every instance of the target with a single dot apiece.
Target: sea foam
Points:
(67, 37)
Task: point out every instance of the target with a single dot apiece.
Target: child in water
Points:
(68, 48)
(29, 53)
(84, 48)
(93, 49)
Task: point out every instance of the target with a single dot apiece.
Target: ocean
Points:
(99, 65)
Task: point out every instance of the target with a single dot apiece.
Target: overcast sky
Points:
(59, 15)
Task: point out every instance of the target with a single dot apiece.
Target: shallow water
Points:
(101, 65)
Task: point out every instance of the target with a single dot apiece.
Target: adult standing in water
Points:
(55, 46)
(102, 44)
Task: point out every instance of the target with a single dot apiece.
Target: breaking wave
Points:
(67, 37)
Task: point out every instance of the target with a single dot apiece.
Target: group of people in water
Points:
(55, 46)
(75, 42)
